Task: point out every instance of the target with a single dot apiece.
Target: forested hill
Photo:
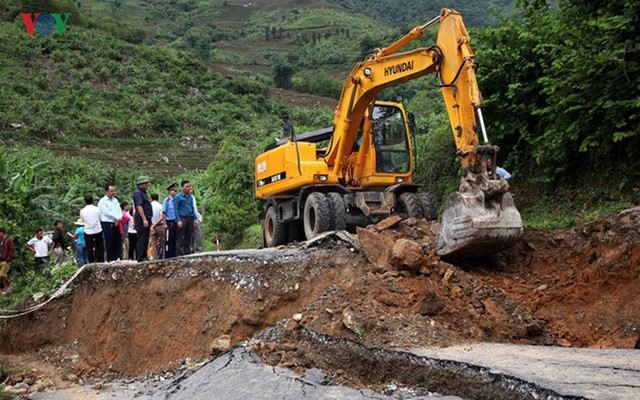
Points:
(477, 13)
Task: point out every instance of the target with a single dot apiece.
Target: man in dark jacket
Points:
(7, 251)
(142, 219)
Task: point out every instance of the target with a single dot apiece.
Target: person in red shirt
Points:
(7, 251)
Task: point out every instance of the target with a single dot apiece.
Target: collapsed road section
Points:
(366, 309)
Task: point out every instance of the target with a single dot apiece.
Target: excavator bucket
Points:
(480, 219)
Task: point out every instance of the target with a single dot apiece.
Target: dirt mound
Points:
(576, 288)
(584, 282)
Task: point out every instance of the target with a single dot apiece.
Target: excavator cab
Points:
(390, 140)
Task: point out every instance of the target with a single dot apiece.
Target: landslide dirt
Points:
(568, 288)
(387, 289)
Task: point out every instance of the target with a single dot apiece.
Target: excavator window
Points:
(390, 140)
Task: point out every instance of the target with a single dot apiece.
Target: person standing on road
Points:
(158, 228)
(7, 251)
(59, 243)
(81, 244)
(196, 242)
(125, 220)
(110, 218)
(185, 215)
(168, 217)
(144, 213)
(132, 236)
(41, 246)
(90, 215)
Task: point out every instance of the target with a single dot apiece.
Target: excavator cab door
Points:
(390, 140)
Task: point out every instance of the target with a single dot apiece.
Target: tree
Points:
(283, 71)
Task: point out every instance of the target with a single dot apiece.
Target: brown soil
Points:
(569, 288)
(131, 320)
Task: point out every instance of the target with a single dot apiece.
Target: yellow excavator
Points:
(359, 171)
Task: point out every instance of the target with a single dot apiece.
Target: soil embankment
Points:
(384, 288)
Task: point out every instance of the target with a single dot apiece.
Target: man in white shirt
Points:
(196, 239)
(110, 218)
(157, 238)
(90, 215)
(41, 246)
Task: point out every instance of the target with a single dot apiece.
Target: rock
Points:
(535, 329)
(493, 309)
(541, 288)
(194, 91)
(297, 317)
(564, 343)
(447, 275)
(456, 292)
(408, 255)
(39, 386)
(431, 305)
(72, 378)
(387, 223)
(18, 391)
(376, 247)
(21, 385)
(349, 320)
(220, 344)
(15, 378)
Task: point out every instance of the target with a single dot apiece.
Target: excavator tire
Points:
(338, 212)
(409, 206)
(429, 208)
(317, 215)
(273, 230)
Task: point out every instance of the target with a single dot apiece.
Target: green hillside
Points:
(477, 13)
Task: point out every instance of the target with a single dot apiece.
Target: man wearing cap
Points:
(168, 217)
(142, 219)
(110, 218)
(185, 216)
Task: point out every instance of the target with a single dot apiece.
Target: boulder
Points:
(376, 246)
(407, 255)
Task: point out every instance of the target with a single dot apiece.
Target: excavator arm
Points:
(481, 217)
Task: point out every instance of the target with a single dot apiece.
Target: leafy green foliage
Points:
(88, 82)
(561, 87)
(415, 11)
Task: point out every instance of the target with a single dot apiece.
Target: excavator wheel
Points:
(338, 212)
(317, 215)
(429, 208)
(273, 230)
(409, 206)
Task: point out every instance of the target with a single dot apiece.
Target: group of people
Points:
(115, 230)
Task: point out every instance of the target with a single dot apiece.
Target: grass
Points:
(557, 214)
(251, 237)
(38, 285)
